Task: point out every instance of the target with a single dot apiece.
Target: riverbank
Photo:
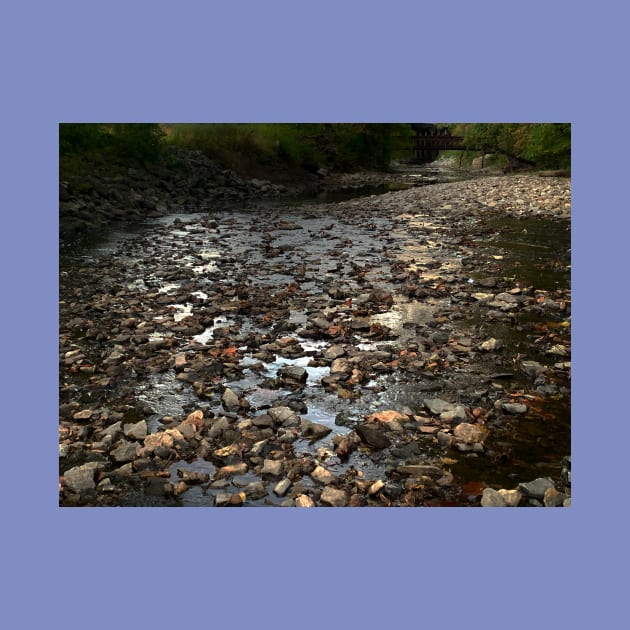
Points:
(410, 348)
(93, 196)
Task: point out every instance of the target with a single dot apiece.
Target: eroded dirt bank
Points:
(405, 349)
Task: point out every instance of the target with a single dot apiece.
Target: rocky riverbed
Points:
(404, 349)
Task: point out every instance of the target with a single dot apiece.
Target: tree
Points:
(544, 145)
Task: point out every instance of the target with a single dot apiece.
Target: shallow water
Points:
(530, 252)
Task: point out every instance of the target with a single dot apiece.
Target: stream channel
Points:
(270, 286)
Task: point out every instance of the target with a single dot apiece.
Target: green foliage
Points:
(550, 145)
(545, 145)
(141, 142)
(308, 145)
(116, 143)
(75, 137)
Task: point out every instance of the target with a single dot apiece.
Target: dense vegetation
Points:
(299, 145)
(542, 145)
(306, 146)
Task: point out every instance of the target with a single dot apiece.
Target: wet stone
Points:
(323, 476)
(292, 375)
(314, 430)
(419, 470)
(372, 436)
(537, 488)
(284, 416)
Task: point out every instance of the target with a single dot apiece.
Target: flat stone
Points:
(438, 406)
(264, 420)
(222, 499)
(334, 352)
(220, 425)
(136, 431)
(372, 436)
(80, 479)
(334, 497)
(192, 476)
(419, 470)
(231, 469)
(454, 415)
(340, 366)
(293, 373)
(313, 430)
(387, 417)
(271, 467)
(514, 408)
(124, 452)
(323, 476)
(85, 414)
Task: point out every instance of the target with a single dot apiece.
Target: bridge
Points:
(430, 140)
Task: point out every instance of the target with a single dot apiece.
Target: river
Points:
(166, 314)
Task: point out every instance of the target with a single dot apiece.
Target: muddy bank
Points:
(406, 349)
